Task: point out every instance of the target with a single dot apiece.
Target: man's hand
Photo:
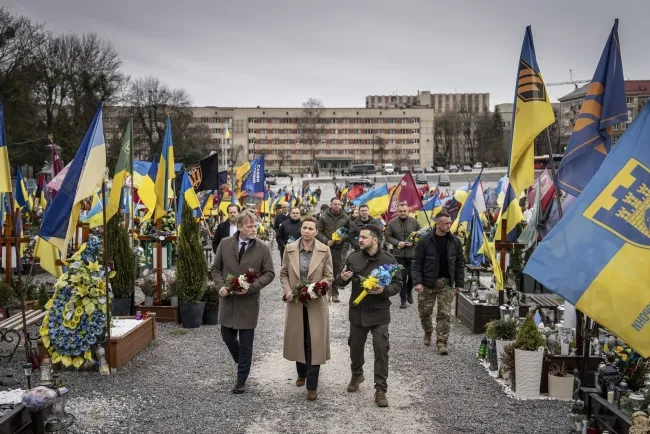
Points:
(409, 244)
(418, 288)
(223, 292)
(459, 290)
(401, 245)
(346, 274)
(243, 292)
(329, 243)
(376, 291)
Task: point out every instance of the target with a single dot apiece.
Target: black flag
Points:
(205, 174)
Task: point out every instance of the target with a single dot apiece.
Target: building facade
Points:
(345, 136)
(439, 102)
(637, 93)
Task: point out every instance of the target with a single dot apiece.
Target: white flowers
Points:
(310, 291)
(243, 282)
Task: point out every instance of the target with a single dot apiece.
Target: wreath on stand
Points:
(75, 322)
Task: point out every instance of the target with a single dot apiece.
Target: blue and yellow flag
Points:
(598, 254)
(147, 190)
(23, 198)
(123, 169)
(532, 113)
(254, 182)
(5, 172)
(187, 194)
(476, 246)
(511, 212)
(605, 106)
(207, 203)
(95, 217)
(165, 173)
(429, 209)
(377, 200)
(83, 179)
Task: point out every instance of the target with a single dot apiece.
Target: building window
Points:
(252, 120)
(415, 131)
(380, 121)
(276, 131)
(276, 120)
(630, 100)
(251, 131)
(415, 120)
(630, 115)
(615, 128)
(251, 141)
(346, 142)
(346, 121)
(392, 120)
(368, 131)
(415, 141)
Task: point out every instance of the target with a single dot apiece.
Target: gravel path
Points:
(181, 384)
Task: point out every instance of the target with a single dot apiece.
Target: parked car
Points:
(279, 174)
(453, 168)
(421, 178)
(403, 169)
(429, 169)
(443, 180)
(440, 169)
(467, 168)
(361, 169)
(478, 165)
(389, 169)
(364, 182)
(271, 181)
(417, 169)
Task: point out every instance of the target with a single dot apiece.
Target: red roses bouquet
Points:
(237, 284)
(305, 292)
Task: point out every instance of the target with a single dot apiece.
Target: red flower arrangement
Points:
(305, 292)
(237, 284)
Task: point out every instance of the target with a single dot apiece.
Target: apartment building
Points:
(637, 93)
(439, 102)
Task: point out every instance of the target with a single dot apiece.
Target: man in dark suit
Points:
(281, 217)
(228, 228)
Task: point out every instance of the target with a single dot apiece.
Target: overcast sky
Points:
(281, 52)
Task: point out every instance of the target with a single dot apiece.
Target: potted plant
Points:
(191, 271)
(528, 358)
(560, 383)
(148, 287)
(170, 293)
(123, 258)
(504, 332)
(507, 370)
(7, 298)
(211, 298)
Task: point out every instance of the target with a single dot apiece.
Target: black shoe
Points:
(403, 305)
(240, 387)
(410, 298)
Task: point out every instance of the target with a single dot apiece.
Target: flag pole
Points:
(108, 298)
(552, 163)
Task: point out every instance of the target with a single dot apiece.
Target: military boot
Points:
(354, 382)
(442, 348)
(380, 398)
(427, 339)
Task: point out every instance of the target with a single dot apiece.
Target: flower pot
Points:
(211, 315)
(191, 314)
(528, 373)
(173, 301)
(121, 306)
(500, 346)
(148, 300)
(560, 387)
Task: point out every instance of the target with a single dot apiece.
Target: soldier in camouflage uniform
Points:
(438, 268)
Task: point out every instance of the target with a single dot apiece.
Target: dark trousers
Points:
(407, 277)
(307, 369)
(337, 266)
(281, 249)
(241, 349)
(380, 346)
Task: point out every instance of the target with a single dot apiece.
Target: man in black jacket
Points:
(289, 230)
(227, 228)
(356, 225)
(372, 314)
(282, 216)
(438, 268)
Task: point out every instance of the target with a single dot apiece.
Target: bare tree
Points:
(468, 117)
(379, 149)
(150, 102)
(447, 134)
(311, 130)
(282, 158)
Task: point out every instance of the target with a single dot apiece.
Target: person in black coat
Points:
(362, 220)
(289, 230)
(227, 228)
(282, 216)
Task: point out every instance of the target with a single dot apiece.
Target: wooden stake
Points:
(108, 298)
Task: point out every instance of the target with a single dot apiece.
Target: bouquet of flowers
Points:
(262, 232)
(337, 236)
(305, 292)
(414, 237)
(630, 364)
(380, 277)
(237, 284)
(291, 239)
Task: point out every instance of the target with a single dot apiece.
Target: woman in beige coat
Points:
(306, 328)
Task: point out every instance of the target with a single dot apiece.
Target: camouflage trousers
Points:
(444, 294)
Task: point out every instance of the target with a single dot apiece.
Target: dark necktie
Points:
(242, 249)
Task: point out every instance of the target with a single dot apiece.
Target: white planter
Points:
(173, 301)
(500, 346)
(528, 373)
(560, 387)
(148, 300)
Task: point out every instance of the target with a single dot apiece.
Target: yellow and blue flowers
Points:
(380, 277)
(337, 236)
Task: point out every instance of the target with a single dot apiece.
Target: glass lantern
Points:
(482, 295)
(58, 419)
(46, 372)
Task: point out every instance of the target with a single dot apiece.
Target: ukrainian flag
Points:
(376, 199)
(23, 198)
(207, 204)
(429, 209)
(83, 179)
(165, 173)
(187, 195)
(511, 211)
(5, 172)
(605, 106)
(532, 113)
(476, 247)
(598, 254)
(123, 169)
(147, 190)
(95, 217)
